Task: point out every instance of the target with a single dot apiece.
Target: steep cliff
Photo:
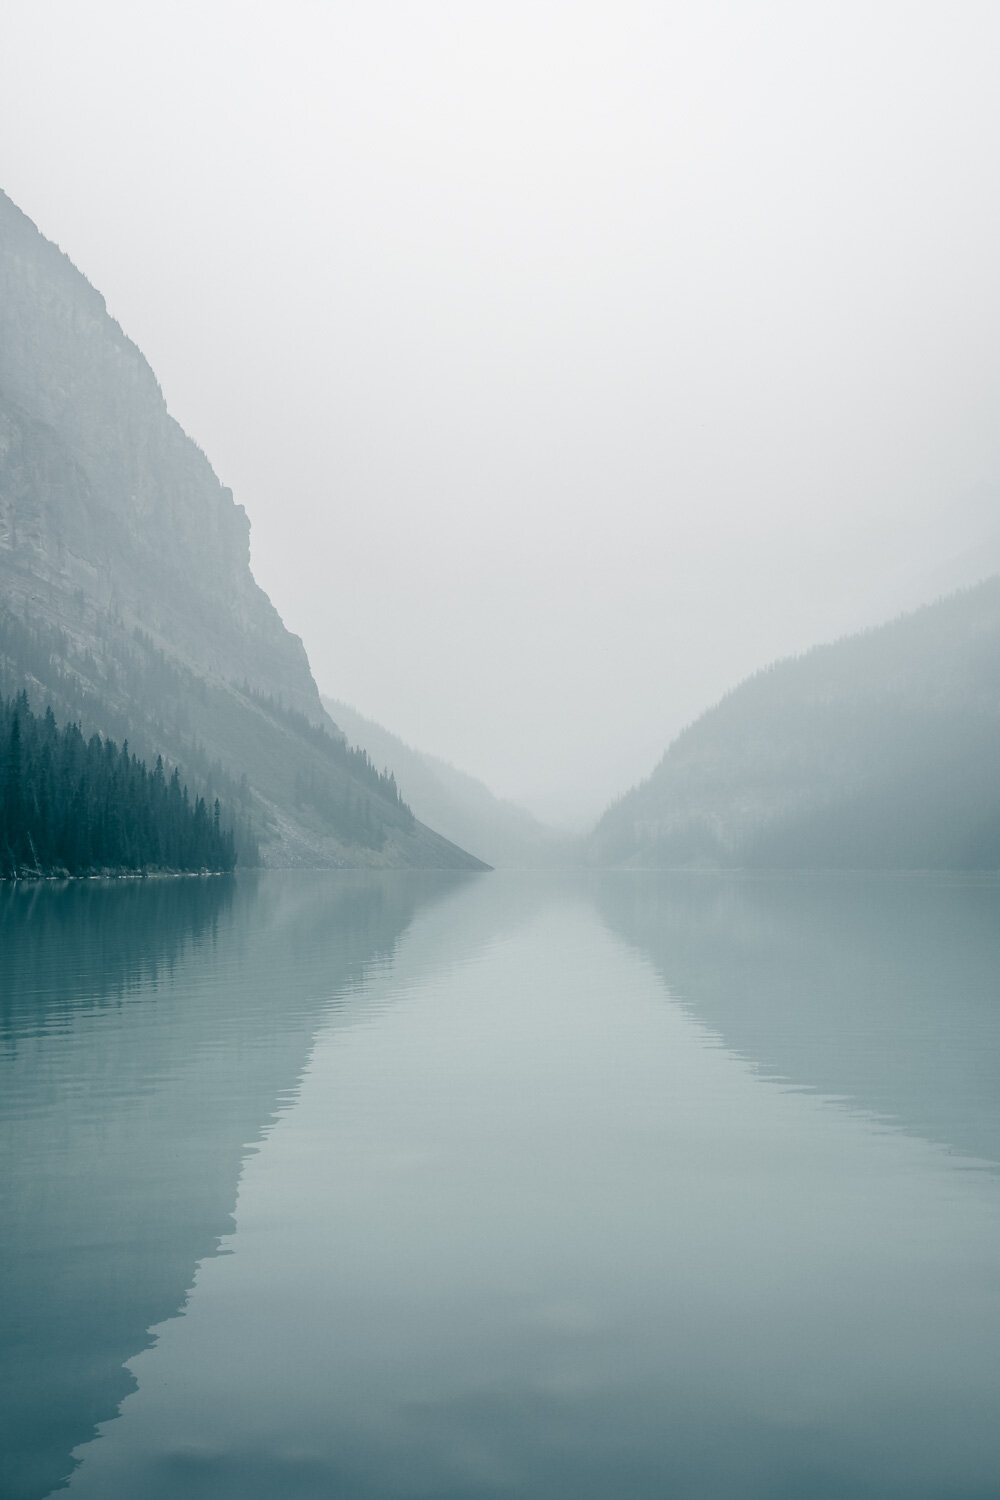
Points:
(126, 596)
(103, 492)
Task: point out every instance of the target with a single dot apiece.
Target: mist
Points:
(570, 361)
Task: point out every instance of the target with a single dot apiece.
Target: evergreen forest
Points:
(74, 806)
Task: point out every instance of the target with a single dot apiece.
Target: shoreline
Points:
(33, 877)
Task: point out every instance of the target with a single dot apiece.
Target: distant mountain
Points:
(457, 805)
(881, 750)
(126, 596)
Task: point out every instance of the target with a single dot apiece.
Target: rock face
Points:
(102, 492)
(881, 750)
(126, 596)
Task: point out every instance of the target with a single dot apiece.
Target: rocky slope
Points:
(105, 494)
(126, 596)
(459, 806)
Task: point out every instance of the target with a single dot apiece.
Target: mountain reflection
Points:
(882, 989)
(149, 1031)
(94, 941)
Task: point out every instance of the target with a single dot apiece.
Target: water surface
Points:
(327, 1185)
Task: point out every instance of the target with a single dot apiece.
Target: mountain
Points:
(459, 806)
(126, 597)
(881, 750)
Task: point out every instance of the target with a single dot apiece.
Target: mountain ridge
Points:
(878, 749)
(127, 601)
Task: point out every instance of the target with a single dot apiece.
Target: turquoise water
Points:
(500, 1186)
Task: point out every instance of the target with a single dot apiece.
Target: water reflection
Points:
(517, 1224)
(881, 989)
(94, 941)
(531, 1233)
(148, 1033)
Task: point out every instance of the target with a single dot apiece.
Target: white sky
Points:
(571, 360)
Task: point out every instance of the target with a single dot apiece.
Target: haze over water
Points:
(501, 1186)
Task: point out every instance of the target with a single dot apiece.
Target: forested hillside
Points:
(127, 603)
(459, 806)
(881, 750)
(72, 806)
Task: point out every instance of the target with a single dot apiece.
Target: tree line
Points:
(128, 690)
(72, 805)
(335, 748)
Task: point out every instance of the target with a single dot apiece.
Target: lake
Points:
(548, 1187)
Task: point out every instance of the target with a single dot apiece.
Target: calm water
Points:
(406, 1186)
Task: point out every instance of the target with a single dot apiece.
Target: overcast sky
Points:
(571, 360)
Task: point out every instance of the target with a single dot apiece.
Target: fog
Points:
(571, 361)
